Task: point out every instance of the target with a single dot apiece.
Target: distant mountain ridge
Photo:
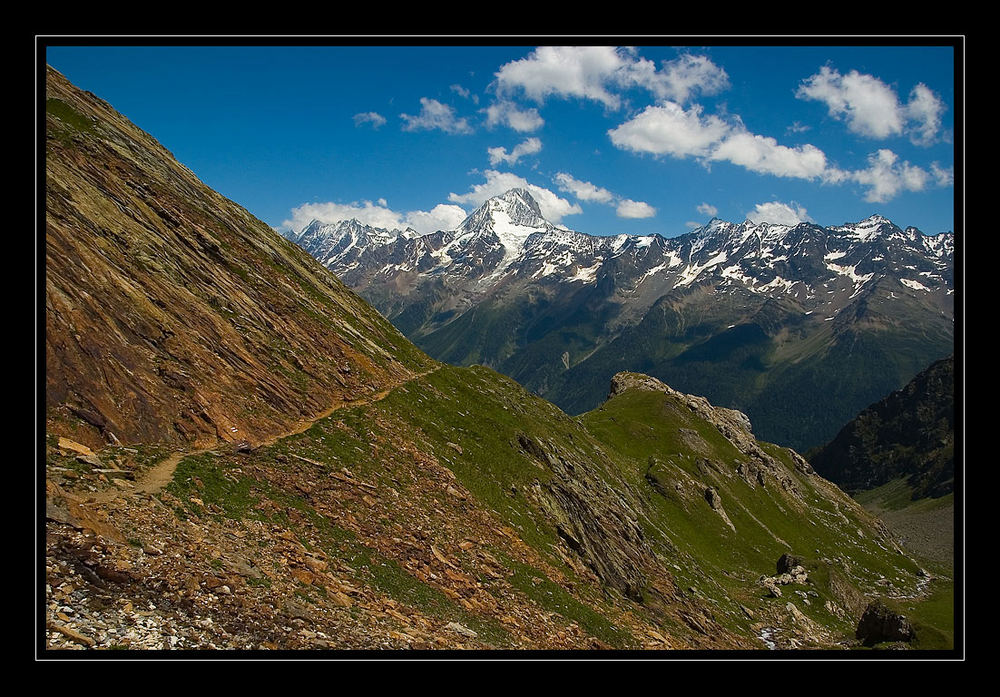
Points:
(757, 316)
(756, 254)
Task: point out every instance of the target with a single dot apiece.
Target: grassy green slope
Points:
(507, 453)
(823, 525)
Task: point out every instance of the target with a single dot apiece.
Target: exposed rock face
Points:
(879, 624)
(715, 501)
(787, 562)
(733, 424)
(594, 520)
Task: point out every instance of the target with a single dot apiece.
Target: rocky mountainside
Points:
(759, 317)
(174, 315)
(908, 435)
(371, 498)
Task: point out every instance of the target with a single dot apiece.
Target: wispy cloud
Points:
(373, 117)
(500, 154)
(586, 191)
(435, 115)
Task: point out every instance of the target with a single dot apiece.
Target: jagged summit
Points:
(515, 211)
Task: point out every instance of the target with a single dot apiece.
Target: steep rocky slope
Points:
(460, 511)
(910, 434)
(376, 499)
(172, 313)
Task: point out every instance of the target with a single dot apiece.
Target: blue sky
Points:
(610, 139)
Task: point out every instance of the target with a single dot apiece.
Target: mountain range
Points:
(756, 316)
(241, 453)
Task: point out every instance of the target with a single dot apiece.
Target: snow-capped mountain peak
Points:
(514, 208)
(507, 240)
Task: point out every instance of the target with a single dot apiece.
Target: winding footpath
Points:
(161, 474)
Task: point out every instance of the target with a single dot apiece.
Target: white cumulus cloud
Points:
(886, 176)
(779, 213)
(685, 76)
(669, 129)
(565, 71)
(708, 209)
(527, 147)
(872, 108)
(442, 217)
(924, 110)
(435, 115)
(585, 191)
(764, 155)
(627, 208)
(506, 113)
(598, 73)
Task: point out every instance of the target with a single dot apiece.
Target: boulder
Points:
(771, 586)
(787, 562)
(879, 623)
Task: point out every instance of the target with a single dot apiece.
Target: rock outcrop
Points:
(732, 424)
(594, 520)
(909, 434)
(879, 624)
